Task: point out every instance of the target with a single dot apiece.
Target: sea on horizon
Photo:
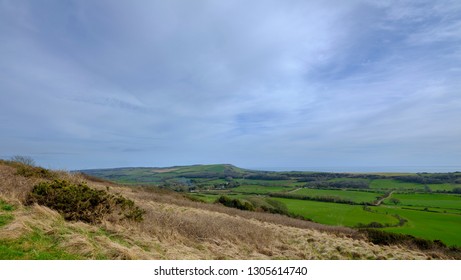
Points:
(366, 169)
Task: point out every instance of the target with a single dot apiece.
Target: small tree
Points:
(394, 200)
(457, 190)
(24, 160)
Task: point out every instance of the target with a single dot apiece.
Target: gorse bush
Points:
(270, 206)
(380, 237)
(34, 171)
(82, 203)
(235, 203)
(25, 166)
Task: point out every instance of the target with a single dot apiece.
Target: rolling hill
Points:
(423, 205)
(112, 221)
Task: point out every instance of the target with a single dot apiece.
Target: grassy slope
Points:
(174, 228)
(156, 175)
(429, 225)
(390, 184)
(442, 201)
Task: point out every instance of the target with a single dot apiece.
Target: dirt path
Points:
(377, 203)
(294, 190)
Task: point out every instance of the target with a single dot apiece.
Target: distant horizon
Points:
(369, 169)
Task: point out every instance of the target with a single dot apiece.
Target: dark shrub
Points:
(370, 225)
(388, 238)
(26, 160)
(34, 171)
(235, 203)
(25, 166)
(82, 203)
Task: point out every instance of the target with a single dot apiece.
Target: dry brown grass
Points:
(170, 197)
(177, 228)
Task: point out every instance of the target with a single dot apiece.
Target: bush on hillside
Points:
(371, 225)
(235, 203)
(34, 171)
(25, 160)
(276, 207)
(82, 203)
(380, 237)
(25, 166)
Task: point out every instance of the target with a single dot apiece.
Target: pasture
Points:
(429, 225)
(355, 196)
(335, 213)
(258, 189)
(430, 200)
(393, 184)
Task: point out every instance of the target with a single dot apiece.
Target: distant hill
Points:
(152, 175)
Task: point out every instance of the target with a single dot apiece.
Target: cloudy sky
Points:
(273, 83)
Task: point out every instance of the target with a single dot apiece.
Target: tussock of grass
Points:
(5, 219)
(35, 245)
(5, 216)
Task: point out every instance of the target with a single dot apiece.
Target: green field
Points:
(335, 213)
(210, 198)
(443, 201)
(258, 189)
(392, 184)
(267, 182)
(443, 187)
(349, 179)
(355, 196)
(429, 225)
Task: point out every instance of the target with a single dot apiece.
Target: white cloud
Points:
(255, 83)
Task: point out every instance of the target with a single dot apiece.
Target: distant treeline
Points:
(212, 175)
(324, 176)
(334, 199)
(437, 178)
(388, 238)
(267, 176)
(338, 185)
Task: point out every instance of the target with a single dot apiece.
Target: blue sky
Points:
(276, 83)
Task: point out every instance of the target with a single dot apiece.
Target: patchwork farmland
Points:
(421, 205)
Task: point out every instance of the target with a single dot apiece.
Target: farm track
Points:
(383, 198)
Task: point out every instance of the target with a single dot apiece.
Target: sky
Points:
(258, 84)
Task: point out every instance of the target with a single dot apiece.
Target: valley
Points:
(423, 205)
